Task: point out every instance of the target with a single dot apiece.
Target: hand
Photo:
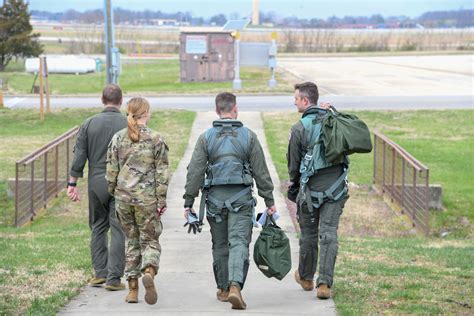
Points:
(292, 192)
(271, 210)
(188, 210)
(325, 105)
(73, 193)
(192, 222)
(161, 210)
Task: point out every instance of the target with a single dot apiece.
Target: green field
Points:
(383, 267)
(442, 140)
(46, 263)
(147, 76)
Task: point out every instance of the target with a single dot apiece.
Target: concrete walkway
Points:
(185, 280)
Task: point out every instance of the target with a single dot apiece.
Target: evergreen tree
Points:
(16, 37)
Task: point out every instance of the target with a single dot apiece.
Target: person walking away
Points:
(137, 175)
(320, 197)
(93, 138)
(226, 160)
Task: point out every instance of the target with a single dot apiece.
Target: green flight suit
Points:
(318, 229)
(231, 229)
(137, 175)
(91, 146)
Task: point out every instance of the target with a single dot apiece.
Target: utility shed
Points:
(206, 56)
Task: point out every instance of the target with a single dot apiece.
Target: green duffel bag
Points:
(344, 134)
(271, 252)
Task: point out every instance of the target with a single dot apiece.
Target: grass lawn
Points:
(442, 140)
(382, 266)
(150, 76)
(47, 262)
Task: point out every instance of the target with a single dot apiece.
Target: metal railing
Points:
(403, 178)
(41, 175)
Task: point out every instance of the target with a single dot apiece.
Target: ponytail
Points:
(133, 132)
(137, 108)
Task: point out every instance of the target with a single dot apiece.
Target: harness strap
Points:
(221, 204)
(202, 205)
(328, 194)
(228, 203)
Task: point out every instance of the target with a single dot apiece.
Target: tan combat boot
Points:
(222, 295)
(132, 296)
(97, 282)
(235, 298)
(149, 283)
(307, 285)
(323, 291)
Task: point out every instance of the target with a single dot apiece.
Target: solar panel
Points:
(235, 25)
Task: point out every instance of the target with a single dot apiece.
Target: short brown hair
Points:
(308, 90)
(112, 94)
(225, 102)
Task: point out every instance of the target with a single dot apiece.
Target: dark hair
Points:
(112, 94)
(308, 90)
(225, 102)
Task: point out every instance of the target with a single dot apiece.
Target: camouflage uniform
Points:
(231, 225)
(137, 175)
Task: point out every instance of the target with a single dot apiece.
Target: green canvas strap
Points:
(228, 203)
(202, 205)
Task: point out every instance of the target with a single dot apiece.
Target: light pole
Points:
(111, 52)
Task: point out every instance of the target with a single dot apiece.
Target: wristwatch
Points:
(71, 184)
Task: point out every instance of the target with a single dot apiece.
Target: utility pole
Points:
(111, 52)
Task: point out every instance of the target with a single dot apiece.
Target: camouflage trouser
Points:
(142, 228)
(322, 230)
(231, 235)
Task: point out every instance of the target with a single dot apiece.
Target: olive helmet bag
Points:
(272, 253)
(344, 134)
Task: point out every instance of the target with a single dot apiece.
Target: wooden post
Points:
(1, 93)
(46, 81)
(40, 73)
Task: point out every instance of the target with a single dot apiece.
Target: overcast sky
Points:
(301, 8)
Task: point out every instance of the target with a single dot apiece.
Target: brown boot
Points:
(149, 283)
(235, 298)
(132, 296)
(323, 291)
(222, 295)
(307, 285)
(97, 282)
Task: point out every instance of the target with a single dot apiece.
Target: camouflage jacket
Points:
(137, 173)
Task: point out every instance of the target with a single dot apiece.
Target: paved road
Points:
(266, 103)
(185, 281)
(387, 76)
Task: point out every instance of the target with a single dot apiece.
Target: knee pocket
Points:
(327, 237)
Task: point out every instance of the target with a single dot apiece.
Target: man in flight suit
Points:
(91, 145)
(318, 218)
(226, 160)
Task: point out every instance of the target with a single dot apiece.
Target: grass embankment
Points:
(46, 263)
(146, 76)
(380, 269)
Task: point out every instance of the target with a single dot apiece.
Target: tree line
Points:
(458, 18)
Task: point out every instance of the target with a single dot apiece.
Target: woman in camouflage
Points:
(137, 175)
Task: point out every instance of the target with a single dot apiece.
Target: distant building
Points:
(158, 22)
